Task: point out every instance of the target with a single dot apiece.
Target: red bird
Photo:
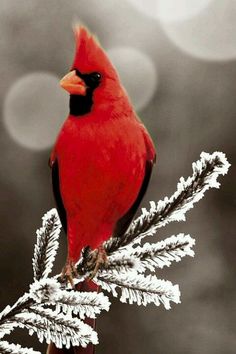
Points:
(103, 157)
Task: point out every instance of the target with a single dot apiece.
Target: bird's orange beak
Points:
(73, 84)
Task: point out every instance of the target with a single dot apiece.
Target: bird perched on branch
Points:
(103, 156)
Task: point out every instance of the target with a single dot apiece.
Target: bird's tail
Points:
(86, 285)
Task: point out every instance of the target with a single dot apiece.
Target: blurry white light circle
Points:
(34, 109)
(170, 10)
(211, 35)
(137, 72)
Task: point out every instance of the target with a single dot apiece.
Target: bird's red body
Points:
(101, 155)
(102, 166)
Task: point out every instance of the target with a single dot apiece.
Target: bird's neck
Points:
(81, 105)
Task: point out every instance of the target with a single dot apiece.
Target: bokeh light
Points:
(211, 35)
(170, 10)
(34, 109)
(137, 72)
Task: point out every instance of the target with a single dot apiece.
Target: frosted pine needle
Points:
(84, 304)
(136, 288)
(156, 255)
(59, 329)
(47, 244)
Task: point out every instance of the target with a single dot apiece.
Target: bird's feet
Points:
(99, 259)
(69, 272)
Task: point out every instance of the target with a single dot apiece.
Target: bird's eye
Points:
(92, 80)
(96, 76)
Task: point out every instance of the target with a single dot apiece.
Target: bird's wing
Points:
(123, 223)
(57, 194)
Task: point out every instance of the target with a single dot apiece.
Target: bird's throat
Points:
(81, 105)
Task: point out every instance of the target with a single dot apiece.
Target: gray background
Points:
(192, 110)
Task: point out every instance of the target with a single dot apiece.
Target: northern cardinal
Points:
(103, 157)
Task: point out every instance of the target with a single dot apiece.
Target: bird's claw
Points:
(99, 259)
(69, 272)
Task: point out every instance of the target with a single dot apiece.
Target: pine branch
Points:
(46, 245)
(7, 348)
(152, 256)
(136, 288)
(49, 292)
(84, 304)
(189, 191)
(60, 329)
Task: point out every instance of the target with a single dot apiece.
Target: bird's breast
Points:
(101, 167)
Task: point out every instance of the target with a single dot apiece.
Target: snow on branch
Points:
(136, 288)
(189, 191)
(157, 255)
(47, 244)
(59, 328)
(51, 309)
(47, 309)
(84, 304)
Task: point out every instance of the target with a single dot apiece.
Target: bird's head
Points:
(92, 79)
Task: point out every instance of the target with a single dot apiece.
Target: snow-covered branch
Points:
(83, 304)
(136, 288)
(47, 244)
(59, 328)
(51, 309)
(156, 255)
(47, 309)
